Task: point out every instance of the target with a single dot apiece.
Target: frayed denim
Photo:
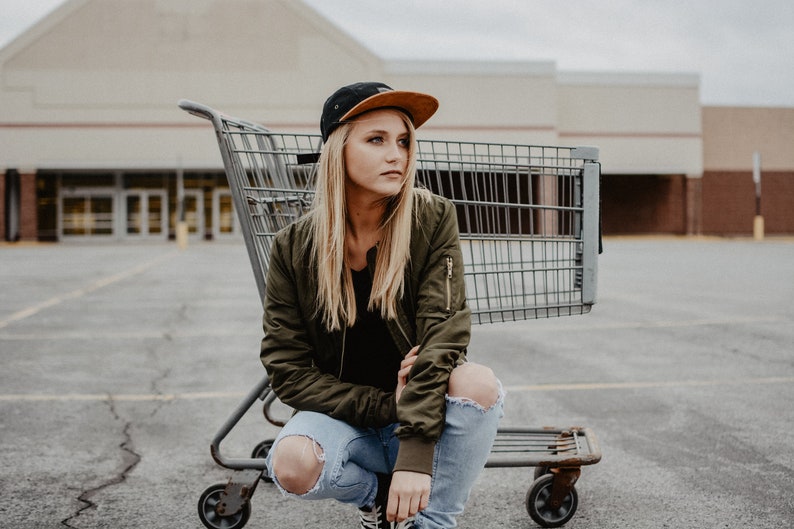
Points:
(352, 456)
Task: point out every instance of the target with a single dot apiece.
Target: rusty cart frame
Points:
(529, 230)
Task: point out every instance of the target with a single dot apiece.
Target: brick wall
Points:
(632, 204)
(28, 206)
(694, 206)
(25, 226)
(2, 206)
(729, 202)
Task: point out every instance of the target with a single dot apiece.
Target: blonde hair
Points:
(336, 300)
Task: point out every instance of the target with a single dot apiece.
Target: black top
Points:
(371, 358)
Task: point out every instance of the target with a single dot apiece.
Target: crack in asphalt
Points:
(130, 459)
(155, 389)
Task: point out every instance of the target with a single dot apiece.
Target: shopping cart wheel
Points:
(210, 509)
(540, 508)
(540, 471)
(260, 451)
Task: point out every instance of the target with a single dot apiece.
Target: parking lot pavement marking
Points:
(128, 397)
(96, 285)
(652, 384)
(148, 397)
(558, 325)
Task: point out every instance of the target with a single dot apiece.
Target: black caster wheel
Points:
(539, 504)
(210, 509)
(540, 471)
(260, 451)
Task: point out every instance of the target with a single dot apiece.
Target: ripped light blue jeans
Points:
(352, 456)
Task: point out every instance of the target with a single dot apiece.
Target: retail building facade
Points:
(93, 146)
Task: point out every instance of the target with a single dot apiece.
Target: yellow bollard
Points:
(181, 235)
(758, 228)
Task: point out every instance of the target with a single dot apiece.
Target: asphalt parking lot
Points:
(121, 360)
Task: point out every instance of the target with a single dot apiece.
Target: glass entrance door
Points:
(87, 213)
(194, 212)
(224, 218)
(146, 213)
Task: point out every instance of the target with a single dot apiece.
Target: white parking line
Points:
(652, 384)
(96, 285)
(594, 325)
(148, 397)
(122, 397)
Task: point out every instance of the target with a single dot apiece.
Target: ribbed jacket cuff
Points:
(415, 455)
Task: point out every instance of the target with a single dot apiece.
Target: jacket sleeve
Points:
(288, 351)
(443, 327)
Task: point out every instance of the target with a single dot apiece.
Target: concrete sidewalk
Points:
(120, 361)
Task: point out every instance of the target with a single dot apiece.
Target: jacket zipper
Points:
(449, 283)
(402, 331)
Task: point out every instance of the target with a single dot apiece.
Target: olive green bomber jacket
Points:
(303, 359)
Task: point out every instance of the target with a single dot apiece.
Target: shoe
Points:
(405, 524)
(374, 516)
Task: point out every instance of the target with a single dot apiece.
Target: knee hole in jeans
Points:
(297, 463)
(474, 382)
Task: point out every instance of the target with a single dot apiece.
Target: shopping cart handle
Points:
(197, 109)
(587, 153)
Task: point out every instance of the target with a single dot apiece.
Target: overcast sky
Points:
(742, 50)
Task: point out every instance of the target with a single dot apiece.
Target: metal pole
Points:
(181, 225)
(758, 221)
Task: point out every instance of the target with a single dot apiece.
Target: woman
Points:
(366, 329)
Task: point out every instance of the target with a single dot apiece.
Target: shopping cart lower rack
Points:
(529, 228)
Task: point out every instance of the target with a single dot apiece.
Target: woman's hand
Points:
(405, 368)
(409, 491)
(408, 494)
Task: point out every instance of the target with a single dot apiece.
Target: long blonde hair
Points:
(336, 300)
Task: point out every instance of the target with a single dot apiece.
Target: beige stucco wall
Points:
(644, 123)
(734, 133)
(495, 102)
(129, 60)
(95, 85)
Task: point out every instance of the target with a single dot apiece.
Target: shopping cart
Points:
(529, 228)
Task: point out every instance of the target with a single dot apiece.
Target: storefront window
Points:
(87, 215)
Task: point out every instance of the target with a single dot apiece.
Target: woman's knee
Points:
(474, 382)
(297, 463)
